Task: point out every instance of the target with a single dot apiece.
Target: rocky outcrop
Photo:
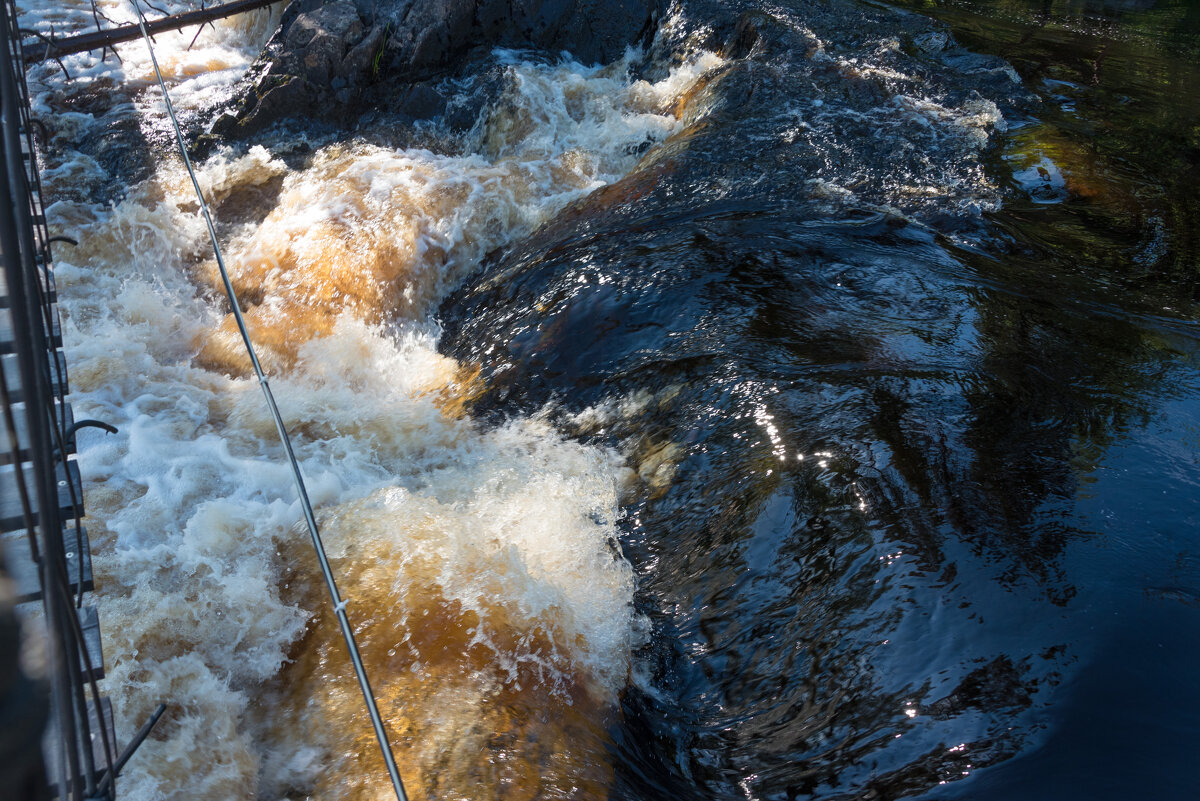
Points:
(332, 59)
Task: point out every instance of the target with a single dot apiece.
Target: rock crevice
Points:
(331, 60)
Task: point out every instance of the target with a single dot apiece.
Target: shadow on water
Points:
(1111, 156)
(893, 453)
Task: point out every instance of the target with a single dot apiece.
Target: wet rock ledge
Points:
(333, 60)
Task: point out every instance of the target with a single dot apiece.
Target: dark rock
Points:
(278, 99)
(358, 62)
(338, 20)
(336, 59)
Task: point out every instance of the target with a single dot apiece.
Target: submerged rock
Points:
(331, 60)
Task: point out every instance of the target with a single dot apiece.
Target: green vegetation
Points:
(377, 60)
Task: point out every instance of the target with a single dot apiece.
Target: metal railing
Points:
(41, 472)
(84, 763)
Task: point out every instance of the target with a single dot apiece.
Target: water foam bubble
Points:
(482, 568)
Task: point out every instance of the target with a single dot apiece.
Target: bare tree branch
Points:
(102, 39)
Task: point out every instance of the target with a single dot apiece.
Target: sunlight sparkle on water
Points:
(764, 419)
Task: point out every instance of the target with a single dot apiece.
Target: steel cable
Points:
(339, 605)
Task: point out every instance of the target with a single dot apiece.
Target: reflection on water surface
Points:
(927, 429)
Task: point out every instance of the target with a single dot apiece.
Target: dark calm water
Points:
(902, 337)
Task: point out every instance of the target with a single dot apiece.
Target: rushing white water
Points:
(481, 566)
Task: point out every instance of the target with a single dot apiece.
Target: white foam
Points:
(205, 583)
(229, 43)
